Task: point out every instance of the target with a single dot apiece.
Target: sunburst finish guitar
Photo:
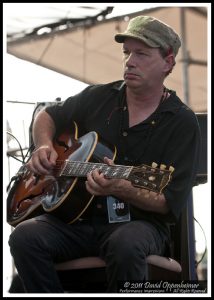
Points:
(63, 192)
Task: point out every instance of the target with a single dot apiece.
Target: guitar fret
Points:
(65, 168)
(107, 171)
(118, 171)
(92, 166)
(81, 169)
(76, 168)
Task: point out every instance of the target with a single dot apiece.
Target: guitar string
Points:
(146, 183)
(60, 164)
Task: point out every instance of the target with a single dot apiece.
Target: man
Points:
(147, 123)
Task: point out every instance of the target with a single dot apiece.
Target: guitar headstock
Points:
(151, 177)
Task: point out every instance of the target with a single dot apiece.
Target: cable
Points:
(33, 117)
(20, 147)
(16, 158)
(30, 150)
(205, 251)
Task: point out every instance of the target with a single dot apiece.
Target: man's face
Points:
(143, 65)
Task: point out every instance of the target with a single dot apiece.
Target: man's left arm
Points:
(98, 185)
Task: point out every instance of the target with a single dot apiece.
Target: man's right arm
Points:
(44, 156)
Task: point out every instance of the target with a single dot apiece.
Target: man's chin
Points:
(132, 83)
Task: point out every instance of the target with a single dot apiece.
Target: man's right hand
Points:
(43, 160)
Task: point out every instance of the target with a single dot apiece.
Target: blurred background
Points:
(54, 50)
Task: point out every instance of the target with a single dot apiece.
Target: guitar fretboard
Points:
(81, 169)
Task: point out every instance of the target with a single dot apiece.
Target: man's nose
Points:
(130, 60)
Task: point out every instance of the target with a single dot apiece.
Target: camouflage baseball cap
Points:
(153, 32)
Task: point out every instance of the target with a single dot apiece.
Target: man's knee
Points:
(125, 248)
(22, 234)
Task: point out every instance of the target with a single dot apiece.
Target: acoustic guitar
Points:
(63, 192)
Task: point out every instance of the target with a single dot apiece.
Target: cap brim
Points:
(120, 38)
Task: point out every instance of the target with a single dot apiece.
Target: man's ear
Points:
(170, 62)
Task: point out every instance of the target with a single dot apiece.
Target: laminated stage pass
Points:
(118, 210)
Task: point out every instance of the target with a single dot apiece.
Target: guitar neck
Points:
(81, 169)
(150, 178)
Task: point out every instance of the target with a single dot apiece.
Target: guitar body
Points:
(63, 196)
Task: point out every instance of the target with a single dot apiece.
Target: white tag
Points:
(118, 210)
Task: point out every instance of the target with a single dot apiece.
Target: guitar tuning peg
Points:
(171, 168)
(154, 165)
(162, 167)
